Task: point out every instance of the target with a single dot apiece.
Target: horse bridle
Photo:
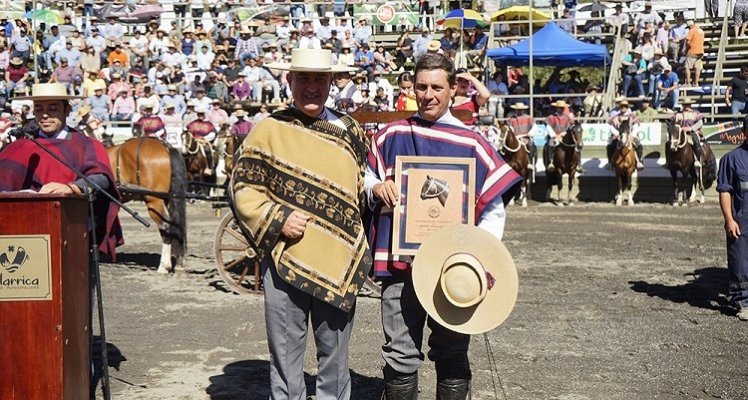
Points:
(570, 131)
(504, 134)
(681, 139)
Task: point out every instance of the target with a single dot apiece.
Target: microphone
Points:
(22, 132)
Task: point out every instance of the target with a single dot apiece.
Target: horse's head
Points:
(624, 130)
(674, 131)
(107, 140)
(575, 134)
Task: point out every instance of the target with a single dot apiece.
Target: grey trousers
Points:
(287, 312)
(403, 320)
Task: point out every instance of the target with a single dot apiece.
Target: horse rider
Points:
(558, 123)
(240, 129)
(691, 122)
(614, 123)
(522, 125)
(149, 125)
(204, 132)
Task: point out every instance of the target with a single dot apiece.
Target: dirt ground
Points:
(614, 303)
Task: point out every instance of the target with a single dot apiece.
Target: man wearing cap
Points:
(667, 88)
(691, 121)
(70, 53)
(101, 105)
(624, 113)
(36, 170)
(346, 89)
(522, 125)
(558, 123)
(289, 234)
(420, 44)
(149, 125)
(433, 131)
(732, 185)
(65, 73)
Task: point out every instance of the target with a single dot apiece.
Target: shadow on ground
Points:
(114, 359)
(251, 379)
(705, 289)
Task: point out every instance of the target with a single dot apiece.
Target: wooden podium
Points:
(44, 297)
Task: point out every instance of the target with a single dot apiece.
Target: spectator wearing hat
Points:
(215, 88)
(159, 44)
(203, 41)
(217, 116)
(113, 30)
(241, 90)
(346, 56)
(172, 119)
(667, 89)
(101, 104)
(634, 69)
(4, 56)
(21, 45)
(187, 43)
(90, 61)
(246, 47)
(118, 68)
(117, 85)
(172, 57)
(70, 53)
(592, 103)
(654, 70)
(694, 54)
(308, 40)
(175, 99)
(645, 113)
(646, 16)
(119, 55)
(65, 73)
(434, 47)
(420, 44)
(149, 124)
(92, 82)
(220, 32)
(363, 32)
(123, 107)
(149, 98)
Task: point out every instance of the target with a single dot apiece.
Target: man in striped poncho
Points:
(433, 131)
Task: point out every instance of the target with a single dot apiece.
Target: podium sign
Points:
(434, 192)
(44, 297)
(25, 268)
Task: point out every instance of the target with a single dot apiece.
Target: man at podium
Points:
(27, 167)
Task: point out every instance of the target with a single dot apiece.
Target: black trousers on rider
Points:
(696, 144)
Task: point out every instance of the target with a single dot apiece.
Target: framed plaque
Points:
(434, 192)
(25, 268)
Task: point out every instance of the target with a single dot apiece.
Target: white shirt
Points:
(493, 219)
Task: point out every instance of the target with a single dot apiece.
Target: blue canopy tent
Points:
(552, 47)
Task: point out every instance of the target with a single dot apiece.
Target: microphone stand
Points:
(91, 190)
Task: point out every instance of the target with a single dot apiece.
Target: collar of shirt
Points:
(63, 134)
(327, 115)
(447, 119)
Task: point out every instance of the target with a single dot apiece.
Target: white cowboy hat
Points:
(240, 113)
(559, 103)
(311, 60)
(465, 279)
(433, 45)
(519, 106)
(48, 91)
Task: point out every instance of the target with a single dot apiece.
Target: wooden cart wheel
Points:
(236, 261)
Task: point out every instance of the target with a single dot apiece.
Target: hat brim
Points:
(289, 67)
(493, 256)
(47, 98)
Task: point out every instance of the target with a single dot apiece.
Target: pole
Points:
(531, 75)
(36, 59)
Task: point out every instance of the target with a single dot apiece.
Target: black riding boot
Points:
(698, 151)
(398, 386)
(640, 156)
(548, 157)
(452, 389)
(610, 149)
(533, 154)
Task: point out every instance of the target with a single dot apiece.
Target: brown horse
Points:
(679, 159)
(566, 159)
(200, 159)
(624, 163)
(516, 152)
(149, 170)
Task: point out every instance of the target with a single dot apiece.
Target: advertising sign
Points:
(649, 133)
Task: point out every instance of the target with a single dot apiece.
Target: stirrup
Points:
(697, 164)
(639, 165)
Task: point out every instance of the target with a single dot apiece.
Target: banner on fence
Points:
(396, 13)
(649, 133)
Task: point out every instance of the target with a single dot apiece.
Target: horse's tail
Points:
(177, 203)
(710, 171)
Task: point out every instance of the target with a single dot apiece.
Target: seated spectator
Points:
(594, 27)
(262, 114)
(667, 89)
(593, 102)
(118, 55)
(175, 99)
(92, 82)
(240, 89)
(619, 20)
(406, 100)
(346, 57)
(266, 82)
(139, 44)
(634, 68)
(123, 107)
(216, 89)
(646, 16)
(645, 113)
(117, 85)
(567, 22)
(205, 58)
(449, 43)
(172, 57)
(90, 61)
(217, 116)
(364, 58)
(654, 69)
(148, 98)
(379, 82)
(71, 54)
(101, 105)
(64, 73)
(383, 59)
(420, 43)
(172, 119)
(118, 68)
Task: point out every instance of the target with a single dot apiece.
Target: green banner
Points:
(398, 13)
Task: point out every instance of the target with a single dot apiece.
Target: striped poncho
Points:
(414, 136)
(291, 162)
